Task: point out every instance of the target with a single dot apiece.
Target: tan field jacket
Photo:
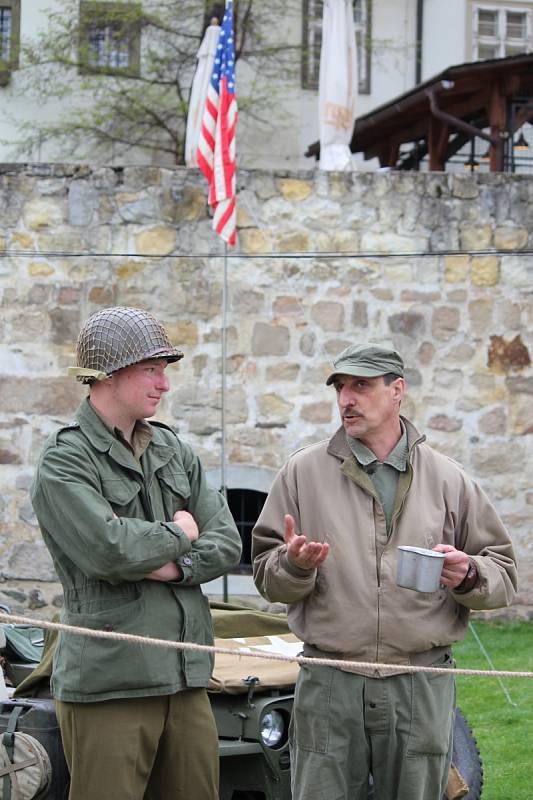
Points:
(351, 606)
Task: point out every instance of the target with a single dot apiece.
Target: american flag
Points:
(216, 147)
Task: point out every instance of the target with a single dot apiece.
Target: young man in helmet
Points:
(133, 530)
(326, 543)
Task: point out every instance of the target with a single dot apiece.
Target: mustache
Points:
(350, 411)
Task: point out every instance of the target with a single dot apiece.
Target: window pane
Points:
(515, 49)
(5, 33)
(107, 48)
(487, 51)
(487, 22)
(516, 25)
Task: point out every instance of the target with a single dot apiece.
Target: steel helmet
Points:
(118, 337)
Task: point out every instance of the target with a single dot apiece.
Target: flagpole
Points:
(223, 476)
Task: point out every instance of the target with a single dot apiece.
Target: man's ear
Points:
(398, 389)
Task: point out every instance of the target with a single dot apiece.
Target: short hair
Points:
(389, 377)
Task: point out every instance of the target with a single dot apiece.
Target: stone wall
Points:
(75, 239)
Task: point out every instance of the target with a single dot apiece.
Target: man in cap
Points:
(133, 530)
(326, 543)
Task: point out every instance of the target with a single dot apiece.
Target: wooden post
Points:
(438, 135)
(498, 123)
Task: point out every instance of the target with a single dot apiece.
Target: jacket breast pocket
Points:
(175, 491)
(120, 494)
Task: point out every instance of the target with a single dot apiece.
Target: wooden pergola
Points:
(486, 99)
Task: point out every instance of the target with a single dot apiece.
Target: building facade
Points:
(400, 43)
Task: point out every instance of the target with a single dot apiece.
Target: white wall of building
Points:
(444, 35)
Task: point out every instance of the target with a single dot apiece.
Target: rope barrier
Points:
(247, 653)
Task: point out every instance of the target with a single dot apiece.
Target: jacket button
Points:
(186, 561)
(107, 627)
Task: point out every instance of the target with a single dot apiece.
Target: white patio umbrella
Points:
(337, 90)
(202, 76)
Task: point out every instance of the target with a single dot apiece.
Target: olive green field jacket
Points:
(107, 522)
(351, 606)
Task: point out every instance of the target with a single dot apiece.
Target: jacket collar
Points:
(103, 440)
(339, 447)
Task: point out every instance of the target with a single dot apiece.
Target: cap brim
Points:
(360, 372)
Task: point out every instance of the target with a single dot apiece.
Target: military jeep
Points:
(251, 700)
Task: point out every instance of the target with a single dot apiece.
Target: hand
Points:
(168, 572)
(304, 554)
(187, 524)
(455, 566)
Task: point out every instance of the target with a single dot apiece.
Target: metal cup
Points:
(419, 569)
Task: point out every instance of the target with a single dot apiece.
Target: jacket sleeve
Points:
(482, 535)
(275, 578)
(71, 510)
(218, 547)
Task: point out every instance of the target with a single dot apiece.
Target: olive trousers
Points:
(345, 727)
(147, 748)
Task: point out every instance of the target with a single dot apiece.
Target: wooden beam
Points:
(497, 121)
(437, 139)
(388, 154)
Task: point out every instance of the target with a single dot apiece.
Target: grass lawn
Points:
(504, 732)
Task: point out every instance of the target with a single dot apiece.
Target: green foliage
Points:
(504, 732)
(142, 106)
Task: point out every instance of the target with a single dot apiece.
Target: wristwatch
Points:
(469, 580)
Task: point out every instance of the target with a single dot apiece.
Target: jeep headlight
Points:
(272, 728)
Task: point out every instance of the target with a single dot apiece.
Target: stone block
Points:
(294, 242)
(159, 240)
(294, 190)
(475, 237)
(270, 340)
(21, 241)
(456, 268)
(317, 413)
(53, 396)
(445, 322)
(43, 213)
(29, 561)
(129, 268)
(328, 315)
(287, 305)
(464, 186)
(408, 323)
(64, 324)
(359, 314)
(255, 240)
(519, 385)
(485, 271)
(182, 333)
(40, 269)
(191, 206)
(480, 313)
(493, 423)
(102, 295)
(308, 344)
(282, 372)
(425, 354)
(273, 407)
(443, 422)
(504, 356)
(510, 238)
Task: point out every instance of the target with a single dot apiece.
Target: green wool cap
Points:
(367, 361)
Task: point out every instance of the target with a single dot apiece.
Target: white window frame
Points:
(312, 40)
(500, 41)
(120, 41)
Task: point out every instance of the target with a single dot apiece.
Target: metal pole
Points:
(223, 481)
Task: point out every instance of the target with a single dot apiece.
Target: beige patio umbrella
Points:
(202, 76)
(337, 90)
